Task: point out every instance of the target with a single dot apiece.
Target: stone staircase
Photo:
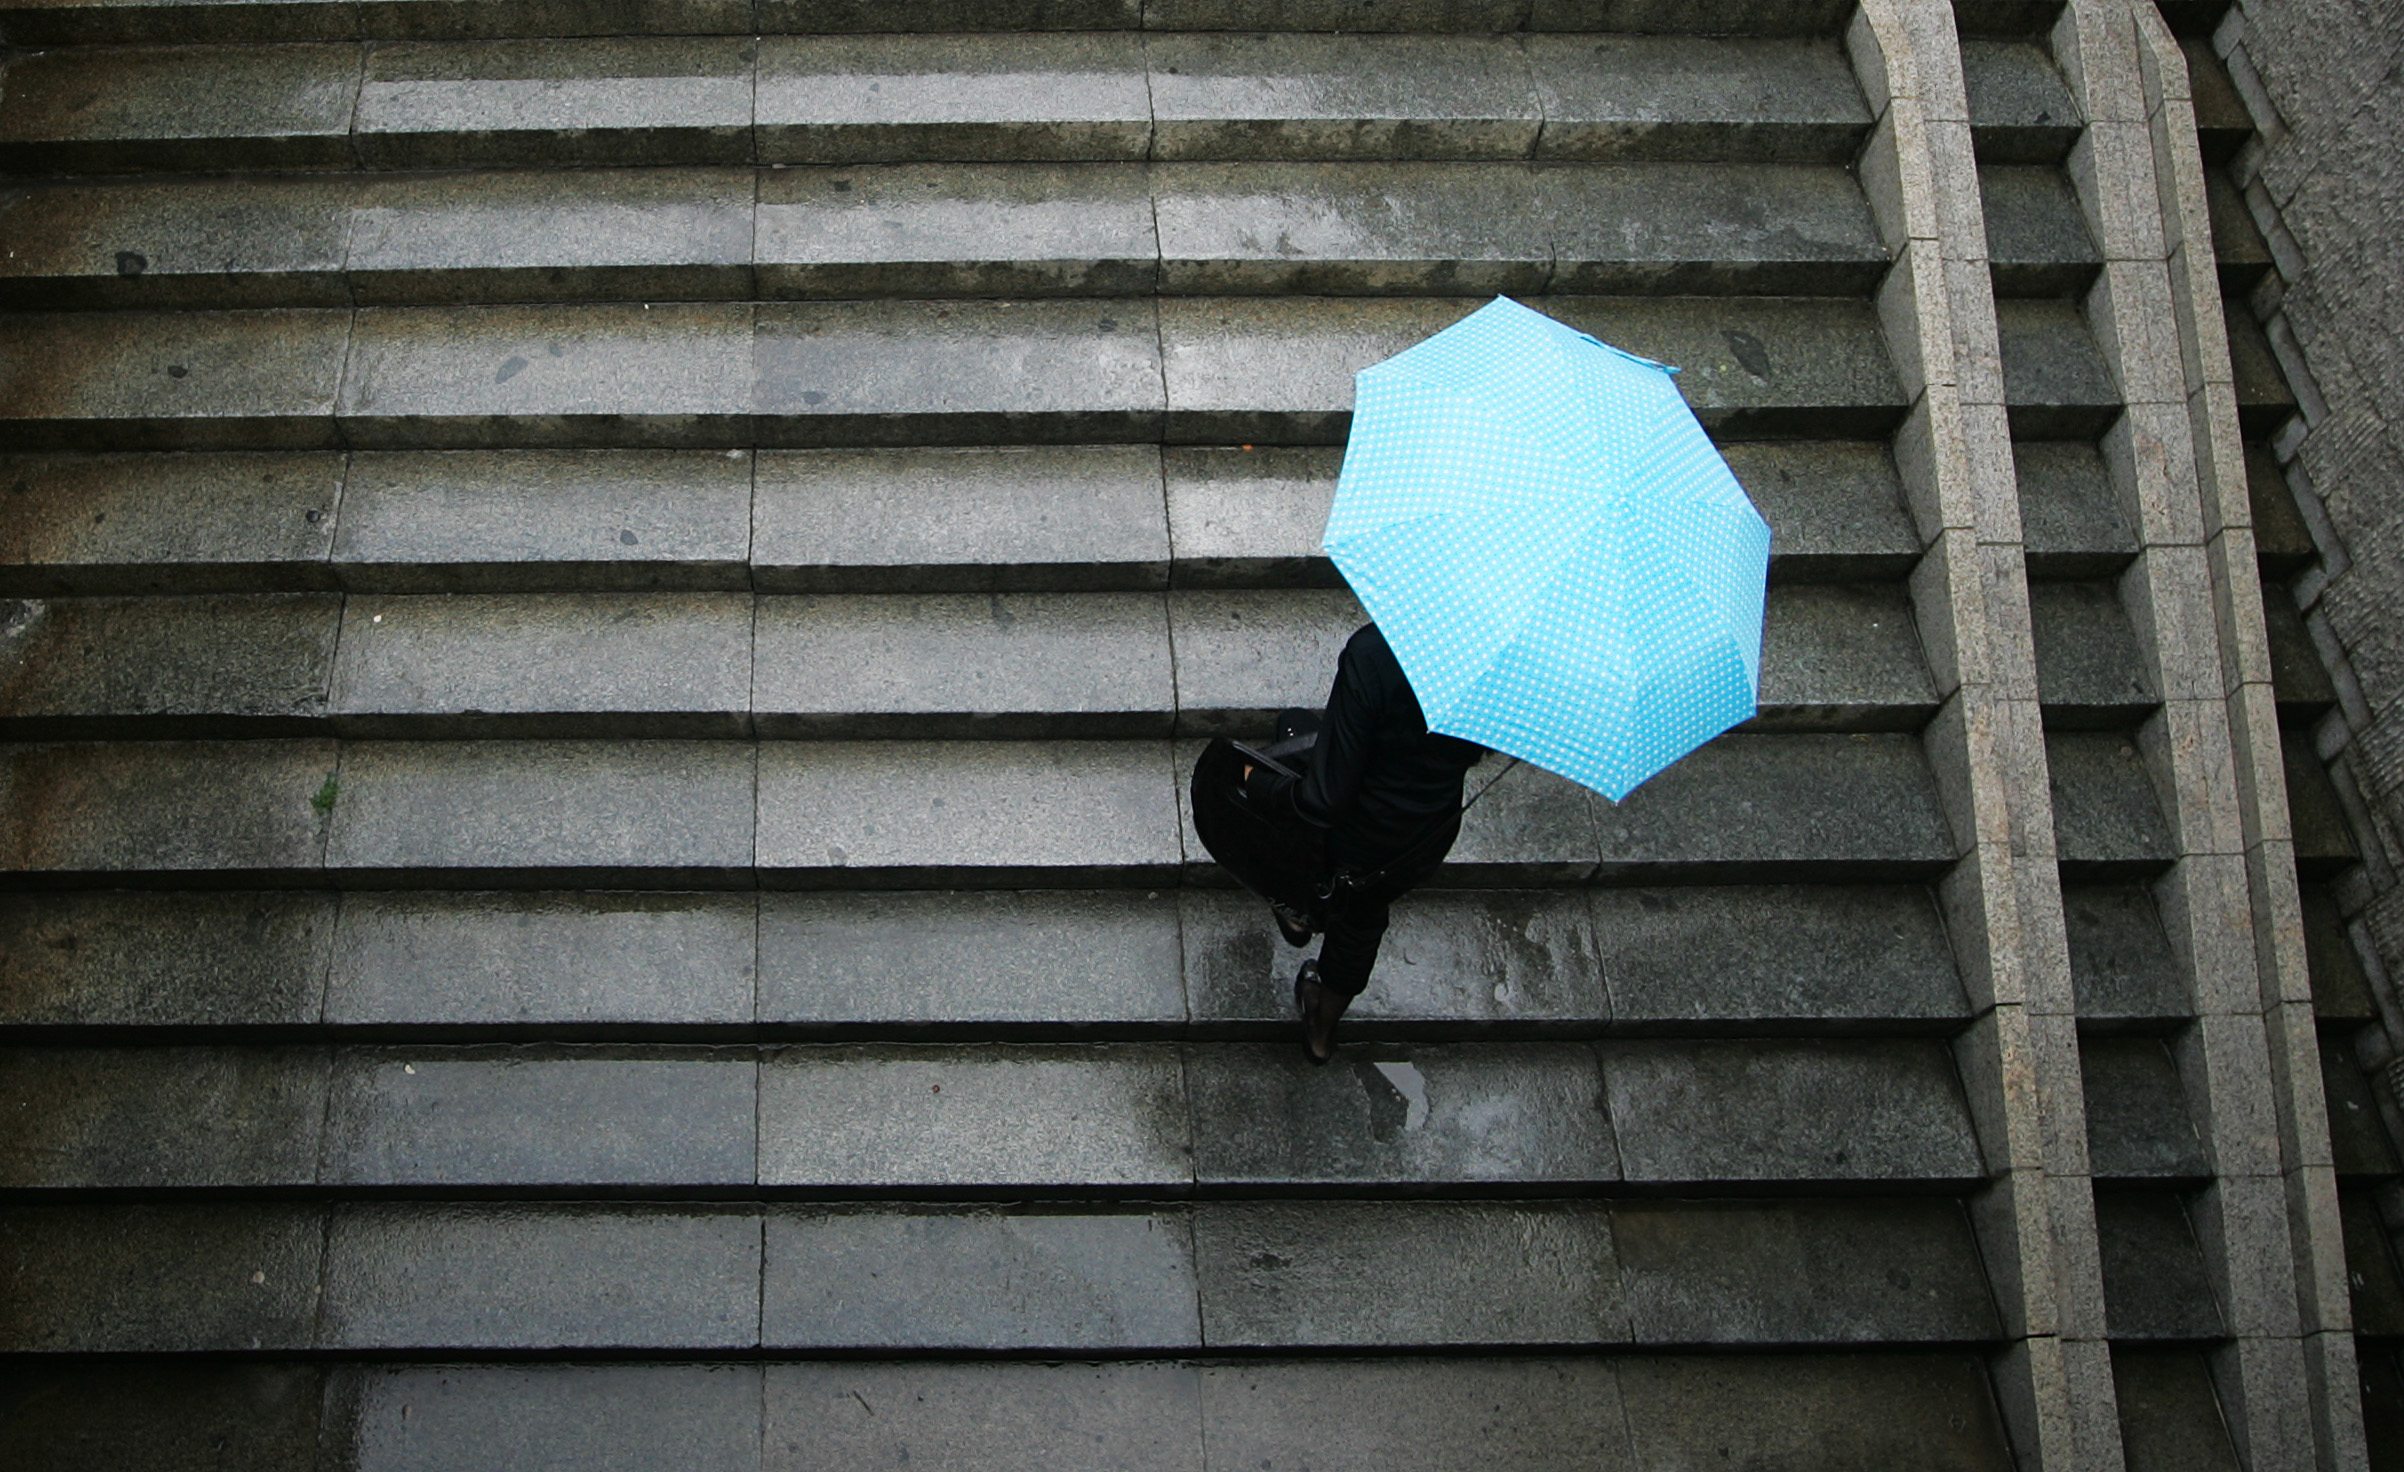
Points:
(608, 606)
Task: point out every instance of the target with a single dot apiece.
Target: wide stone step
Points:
(1063, 96)
(1246, 1278)
(1094, 1119)
(1209, 370)
(932, 230)
(885, 814)
(61, 22)
(1113, 965)
(1929, 1409)
(1025, 519)
(1020, 665)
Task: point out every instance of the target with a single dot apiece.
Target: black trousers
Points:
(1348, 897)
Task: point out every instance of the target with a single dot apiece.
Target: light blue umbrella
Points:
(1560, 559)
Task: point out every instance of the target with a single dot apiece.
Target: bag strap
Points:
(1421, 840)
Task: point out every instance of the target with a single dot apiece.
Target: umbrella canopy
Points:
(1560, 559)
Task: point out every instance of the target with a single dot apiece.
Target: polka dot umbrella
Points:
(1564, 565)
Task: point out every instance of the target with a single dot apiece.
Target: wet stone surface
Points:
(622, 101)
(1801, 1272)
(127, 958)
(1356, 96)
(959, 520)
(1830, 1110)
(971, 1280)
(172, 381)
(86, 1418)
(834, 1417)
(644, 814)
(929, 230)
(252, 808)
(1377, 1273)
(529, 521)
(701, 1417)
(897, 98)
(1099, 1117)
(1038, 959)
(598, 234)
(1000, 664)
(1532, 1112)
(1679, 97)
(161, 1118)
(510, 959)
(1455, 962)
(1691, 956)
(87, 1279)
(186, 243)
(166, 524)
(188, 666)
(1861, 806)
(922, 815)
(548, 1117)
(562, 664)
(528, 1276)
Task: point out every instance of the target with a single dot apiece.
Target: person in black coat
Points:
(1378, 797)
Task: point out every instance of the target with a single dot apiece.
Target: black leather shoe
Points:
(1293, 927)
(1321, 1008)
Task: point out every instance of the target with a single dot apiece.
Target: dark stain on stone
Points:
(1388, 1110)
(559, 350)
(1749, 351)
(1110, 324)
(1268, 1262)
(812, 396)
(510, 369)
(841, 186)
(626, 538)
(132, 263)
(177, 370)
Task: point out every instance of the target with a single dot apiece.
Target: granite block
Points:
(956, 98)
(1072, 518)
(978, 1280)
(131, 959)
(95, 524)
(504, 959)
(1030, 960)
(1093, 1118)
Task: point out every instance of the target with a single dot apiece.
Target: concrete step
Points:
(895, 98)
(1243, 1278)
(1015, 519)
(1929, 1408)
(1013, 665)
(2021, 111)
(85, 22)
(1035, 965)
(982, 1120)
(1088, 230)
(888, 814)
(1185, 370)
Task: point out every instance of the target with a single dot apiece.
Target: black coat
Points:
(1378, 781)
